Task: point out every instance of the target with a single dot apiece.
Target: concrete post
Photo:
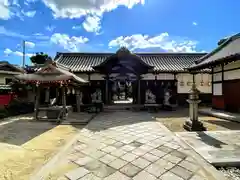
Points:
(192, 123)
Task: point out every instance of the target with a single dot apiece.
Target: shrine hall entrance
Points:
(122, 72)
(121, 89)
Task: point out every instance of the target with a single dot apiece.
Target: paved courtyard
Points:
(127, 145)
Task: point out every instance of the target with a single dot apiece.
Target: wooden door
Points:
(231, 93)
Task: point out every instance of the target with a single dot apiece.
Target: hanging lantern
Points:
(146, 83)
(202, 82)
(209, 82)
(189, 83)
(181, 82)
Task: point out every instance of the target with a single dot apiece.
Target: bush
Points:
(16, 107)
(3, 113)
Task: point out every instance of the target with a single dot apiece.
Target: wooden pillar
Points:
(212, 79)
(47, 95)
(37, 100)
(57, 95)
(64, 101)
(194, 78)
(106, 89)
(139, 91)
(78, 99)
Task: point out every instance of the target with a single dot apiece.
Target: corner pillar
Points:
(107, 90)
(139, 91)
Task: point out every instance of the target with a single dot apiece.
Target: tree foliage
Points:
(40, 58)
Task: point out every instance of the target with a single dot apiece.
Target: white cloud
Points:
(29, 44)
(28, 2)
(195, 23)
(40, 36)
(29, 13)
(92, 9)
(69, 43)
(50, 28)
(76, 27)
(92, 24)
(8, 52)
(162, 41)
(76, 9)
(4, 31)
(4, 10)
(11, 8)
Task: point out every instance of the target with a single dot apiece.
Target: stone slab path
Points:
(124, 146)
(221, 148)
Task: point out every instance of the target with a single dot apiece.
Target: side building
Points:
(225, 64)
(144, 71)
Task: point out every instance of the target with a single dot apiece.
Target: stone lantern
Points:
(192, 123)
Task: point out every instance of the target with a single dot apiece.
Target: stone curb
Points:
(210, 170)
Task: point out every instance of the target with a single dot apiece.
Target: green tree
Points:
(40, 58)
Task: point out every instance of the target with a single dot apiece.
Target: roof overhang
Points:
(56, 74)
(223, 60)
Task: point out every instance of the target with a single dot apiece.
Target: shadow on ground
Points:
(20, 132)
(209, 140)
(225, 123)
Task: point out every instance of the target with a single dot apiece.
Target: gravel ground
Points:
(174, 121)
(231, 173)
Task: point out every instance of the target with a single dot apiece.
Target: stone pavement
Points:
(220, 148)
(129, 145)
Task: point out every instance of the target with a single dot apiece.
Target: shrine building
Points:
(141, 77)
(225, 64)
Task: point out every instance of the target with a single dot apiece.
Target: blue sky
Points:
(52, 26)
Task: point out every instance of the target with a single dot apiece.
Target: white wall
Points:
(232, 65)
(217, 89)
(229, 74)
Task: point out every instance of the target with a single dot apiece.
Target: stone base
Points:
(194, 126)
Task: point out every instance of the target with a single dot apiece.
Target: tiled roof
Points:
(168, 62)
(51, 72)
(226, 50)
